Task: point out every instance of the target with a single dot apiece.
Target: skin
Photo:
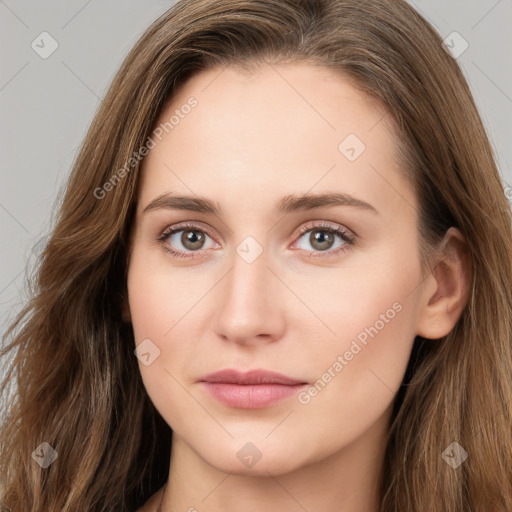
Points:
(252, 139)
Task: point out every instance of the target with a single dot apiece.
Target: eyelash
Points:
(344, 234)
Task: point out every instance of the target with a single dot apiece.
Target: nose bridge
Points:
(249, 306)
(249, 278)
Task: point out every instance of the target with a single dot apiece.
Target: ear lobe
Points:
(446, 289)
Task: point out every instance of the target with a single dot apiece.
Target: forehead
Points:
(283, 129)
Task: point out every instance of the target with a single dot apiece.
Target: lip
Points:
(255, 389)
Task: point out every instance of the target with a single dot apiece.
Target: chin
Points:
(262, 468)
(255, 458)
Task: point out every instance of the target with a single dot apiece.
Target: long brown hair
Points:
(75, 380)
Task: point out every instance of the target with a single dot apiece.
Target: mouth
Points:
(255, 389)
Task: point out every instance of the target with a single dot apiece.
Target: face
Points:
(303, 261)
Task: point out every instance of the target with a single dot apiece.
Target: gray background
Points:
(46, 105)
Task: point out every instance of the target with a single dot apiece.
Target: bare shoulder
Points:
(152, 504)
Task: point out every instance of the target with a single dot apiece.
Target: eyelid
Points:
(187, 225)
(322, 224)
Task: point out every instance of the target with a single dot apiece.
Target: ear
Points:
(446, 289)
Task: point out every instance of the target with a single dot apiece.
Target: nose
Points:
(249, 303)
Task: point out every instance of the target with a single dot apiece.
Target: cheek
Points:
(160, 304)
(147, 304)
(370, 310)
(158, 296)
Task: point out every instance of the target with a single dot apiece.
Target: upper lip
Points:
(259, 376)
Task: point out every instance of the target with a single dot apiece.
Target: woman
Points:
(291, 214)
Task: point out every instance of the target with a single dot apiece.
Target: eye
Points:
(184, 240)
(322, 238)
(187, 238)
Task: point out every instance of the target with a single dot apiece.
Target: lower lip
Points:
(251, 396)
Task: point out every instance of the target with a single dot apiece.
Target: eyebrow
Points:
(288, 204)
